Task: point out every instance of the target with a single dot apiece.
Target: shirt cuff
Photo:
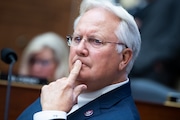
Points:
(50, 115)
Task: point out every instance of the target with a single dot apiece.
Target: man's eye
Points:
(77, 39)
(95, 41)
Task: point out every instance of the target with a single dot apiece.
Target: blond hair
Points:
(52, 41)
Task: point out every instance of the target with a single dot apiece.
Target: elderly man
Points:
(103, 47)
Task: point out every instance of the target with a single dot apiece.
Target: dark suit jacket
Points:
(117, 104)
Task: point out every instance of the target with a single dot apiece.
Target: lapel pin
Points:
(88, 113)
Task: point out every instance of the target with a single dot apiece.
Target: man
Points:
(103, 47)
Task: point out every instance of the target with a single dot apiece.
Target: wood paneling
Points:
(150, 111)
(21, 96)
(21, 20)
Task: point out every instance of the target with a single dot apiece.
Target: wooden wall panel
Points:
(21, 20)
(21, 96)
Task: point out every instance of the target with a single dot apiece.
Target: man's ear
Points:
(126, 58)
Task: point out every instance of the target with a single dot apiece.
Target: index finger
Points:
(75, 71)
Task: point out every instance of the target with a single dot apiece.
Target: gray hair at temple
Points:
(52, 41)
(127, 30)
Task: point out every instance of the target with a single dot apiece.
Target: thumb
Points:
(78, 90)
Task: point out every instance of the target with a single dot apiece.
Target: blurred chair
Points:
(150, 91)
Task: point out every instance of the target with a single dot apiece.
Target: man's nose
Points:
(82, 48)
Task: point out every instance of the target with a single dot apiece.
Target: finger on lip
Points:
(75, 71)
(83, 62)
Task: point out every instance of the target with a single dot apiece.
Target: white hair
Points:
(52, 41)
(127, 30)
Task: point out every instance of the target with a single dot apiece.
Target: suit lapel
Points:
(105, 102)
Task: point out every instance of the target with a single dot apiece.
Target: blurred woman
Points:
(46, 56)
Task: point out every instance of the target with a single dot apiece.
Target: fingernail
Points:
(78, 62)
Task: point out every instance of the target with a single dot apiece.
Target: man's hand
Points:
(62, 94)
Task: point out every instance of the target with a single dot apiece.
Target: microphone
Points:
(9, 57)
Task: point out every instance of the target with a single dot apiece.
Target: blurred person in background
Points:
(156, 70)
(46, 56)
(159, 58)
